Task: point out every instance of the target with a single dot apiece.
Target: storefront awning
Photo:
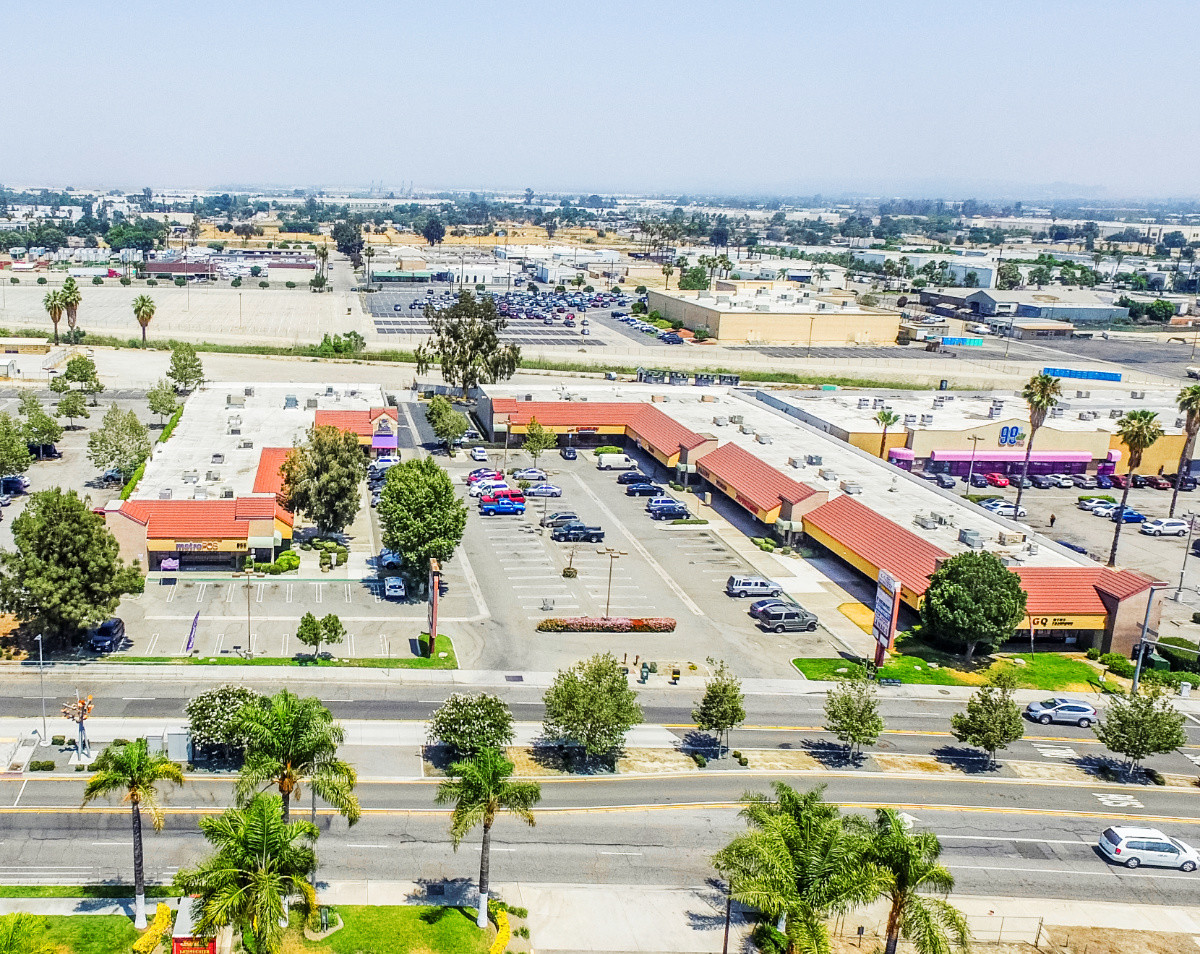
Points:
(385, 442)
(1037, 457)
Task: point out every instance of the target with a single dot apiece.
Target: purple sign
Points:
(191, 642)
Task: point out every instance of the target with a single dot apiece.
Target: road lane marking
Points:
(20, 793)
(1029, 841)
(366, 846)
(1055, 751)
(1106, 872)
(1118, 800)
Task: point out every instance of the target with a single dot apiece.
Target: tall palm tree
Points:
(1188, 401)
(667, 270)
(261, 861)
(368, 255)
(133, 770)
(798, 862)
(21, 933)
(290, 741)
(885, 419)
(481, 788)
(71, 297)
(1041, 392)
(1137, 430)
(910, 864)
(53, 303)
(323, 257)
(143, 311)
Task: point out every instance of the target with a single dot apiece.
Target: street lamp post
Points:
(1191, 519)
(42, 681)
(1141, 644)
(613, 555)
(974, 439)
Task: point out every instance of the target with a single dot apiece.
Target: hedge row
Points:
(606, 624)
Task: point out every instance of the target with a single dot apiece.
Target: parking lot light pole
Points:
(613, 556)
(1191, 519)
(42, 681)
(974, 439)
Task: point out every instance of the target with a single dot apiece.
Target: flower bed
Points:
(606, 624)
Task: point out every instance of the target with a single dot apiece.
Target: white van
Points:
(487, 488)
(393, 588)
(615, 462)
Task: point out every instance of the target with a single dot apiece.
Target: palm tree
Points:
(885, 419)
(261, 861)
(323, 257)
(910, 865)
(368, 255)
(194, 228)
(1041, 392)
(667, 270)
(143, 311)
(292, 740)
(480, 789)
(1137, 430)
(799, 863)
(133, 770)
(21, 933)
(53, 303)
(71, 297)
(1188, 401)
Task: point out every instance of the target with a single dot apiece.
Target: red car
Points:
(1119, 480)
(997, 480)
(1158, 483)
(512, 494)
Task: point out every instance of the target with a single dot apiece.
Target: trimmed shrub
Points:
(570, 572)
(608, 449)
(152, 281)
(689, 522)
(611, 624)
(1093, 654)
(157, 930)
(264, 284)
(289, 284)
(58, 740)
(41, 766)
(41, 281)
(126, 281)
(97, 280)
(1118, 665)
(1188, 662)
(699, 759)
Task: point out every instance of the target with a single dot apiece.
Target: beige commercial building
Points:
(736, 313)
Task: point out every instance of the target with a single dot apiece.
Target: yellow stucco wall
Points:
(1162, 455)
(866, 441)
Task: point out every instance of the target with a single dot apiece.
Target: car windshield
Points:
(1049, 704)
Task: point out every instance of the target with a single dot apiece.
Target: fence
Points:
(984, 930)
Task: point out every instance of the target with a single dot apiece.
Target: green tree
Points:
(447, 423)
(798, 862)
(852, 714)
(40, 428)
(1041, 275)
(185, 369)
(290, 741)
(421, 514)
(131, 770)
(538, 440)
(480, 789)
(992, 720)
(64, 571)
(1139, 726)
(321, 478)
(973, 599)
(466, 343)
(71, 405)
(54, 305)
(261, 862)
(1188, 402)
(885, 419)
(722, 707)
(308, 633)
(468, 724)
(81, 370)
(143, 311)
(162, 401)
(214, 716)
(1041, 393)
(121, 442)
(71, 297)
(916, 888)
(333, 631)
(590, 705)
(694, 278)
(22, 933)
(1138, 430)
(14, 449)
(434, 232)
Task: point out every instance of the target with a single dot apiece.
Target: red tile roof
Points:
(268, 479)
(203, 519)
(644, 421)
(1057, 590)
(752, 478)
(356, 422)
(908, 557)
(1123, 583)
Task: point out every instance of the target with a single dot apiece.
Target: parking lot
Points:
(853, 352)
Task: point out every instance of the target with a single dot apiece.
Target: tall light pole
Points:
(613, 555)
(1191, 519)
(42, 681)
(1141, 644)
(974, 439)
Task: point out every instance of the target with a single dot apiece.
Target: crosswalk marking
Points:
(1052, 751)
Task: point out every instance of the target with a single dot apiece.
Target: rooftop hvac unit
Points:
(1087, 415)
(199, 493)
(1009, 538)
(939, 402)
(1115, 413)
(926, 419)
(746, 428)
(1010, 561)
(763, 438)
(246, 445)
(910, 419)
(164, 493)
(720, 420)
(736, 418)
(226, 493)
(1180, 421)
(234, 400)
(1056, 412)
(821, 306)
(864, 403)
(1137, 395)
(1033, 549)
(943, 519)
(329, 390)
(876, 403)
(851, 487)
(797, 462)
(814, 459)
(218, 458)
(249, 392)
(191, 476)
(828, 473)
(213, 476)
(763, 307)
(972, 538)
(925, 523)
(311, 404)
(1083, 394)
(994, 412)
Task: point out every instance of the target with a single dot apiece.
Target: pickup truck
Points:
(492, 506)
(576, 533)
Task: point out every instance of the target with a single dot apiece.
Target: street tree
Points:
(143, 311)
(71, 406)
(1140, 726)
(590, 706)
(290, 741)
(1138, 430)
(480, 788)
(466, 343)
(321, 478)
(1041, 393)
(131, 770)
(261, 865)
(81, 370)
(121, 442)
(64, 572)
(421, 514)
(40, 428)
(447, 423)
(161, 399)
(434, 232)
(722, 707)
(71, 297)
(185, 369)
(992, 720)
(14, 449)
(1188, 401)
(308, 632)
(213, 717)
(333, 631)
(538, 440)
(972, 600)
(468, 724)
(54, 305)
(852, 714)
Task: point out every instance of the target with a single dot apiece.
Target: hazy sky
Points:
(894, 97)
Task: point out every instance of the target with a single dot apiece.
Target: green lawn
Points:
(90, 933)
(83, 891)
(400, 661)
(403, 928)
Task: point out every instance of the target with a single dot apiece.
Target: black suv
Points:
(108, 636)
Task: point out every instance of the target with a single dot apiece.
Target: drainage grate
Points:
(514, 678)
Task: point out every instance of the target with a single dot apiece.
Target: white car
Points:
(530, 473)
(1091, 503)
(1164, 527)
(487, 488)
(393, 588)
(1105, 510)
(1132, 847)
(1007, 509)
(479, 454)
(1062, 480)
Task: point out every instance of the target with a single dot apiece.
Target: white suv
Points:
(1147, 846)
(1162, 526)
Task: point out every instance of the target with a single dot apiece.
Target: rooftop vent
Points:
(1056, 412)
(926, 419)
(1083, 394)
(1137, 395)
(910, 419)
(1115, 413)
(864, 403)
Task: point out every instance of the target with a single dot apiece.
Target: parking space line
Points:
(171, 594)
(283, 646)
(150, 645)
(287, 592)
(200, 592)
(259, 595)
(319, 587)
(220, 643)
(349, 594)
(229, 593)
(377, 591)
(351, 639)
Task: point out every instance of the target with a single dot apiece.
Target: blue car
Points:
(1128, 516)
(1103, 482)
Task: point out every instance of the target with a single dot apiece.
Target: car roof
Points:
(1134, 832)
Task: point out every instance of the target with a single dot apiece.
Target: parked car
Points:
(1158, 483)
(1105, 509)
(743, 586)
(1104, 481)
(633, 477)
(560, 518)
(515, 494)
(1186, 484)
(644, 490)
(393, 588)
(108, 636)
(992, 503)
(758, 607)
(978, 480)
(946, 482)
(670, 512)
(1061, 709)
(1132, 847)
(1129, 515)
(996, 480)
(530, 473)
(110, 476)
(1010, 510)
(1119, 480)
(389, 560)
(487, 488)
(500, 506)
(382, 464)
(1163, 527)
(479, 454)
(615, 462)
(1084, 481)
(1042, 481)
(1136, 481)
(1062, 480)
(576, 533)
(1091, 503)
(484, 473)
(544, 490)
(788, 618)
(568, 453)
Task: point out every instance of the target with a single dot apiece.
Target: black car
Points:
(946, 481)
(108, 636)
(632, 477)
(1041, 481)
(1188, 483)
(670, 512)
(568, 453)
(1137, 480)
(644, 490)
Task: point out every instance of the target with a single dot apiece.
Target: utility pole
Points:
(42, 680)
(1191, 519)
(613, 555)
(1142, 644)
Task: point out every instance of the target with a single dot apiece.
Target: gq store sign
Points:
(1085, 621)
